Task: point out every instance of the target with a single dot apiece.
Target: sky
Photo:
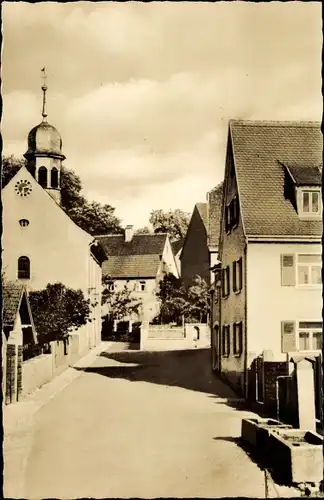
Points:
(141, 93)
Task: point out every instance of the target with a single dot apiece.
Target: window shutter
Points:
(226, 218)
(223, 282)
(228, 280)
(234, 276)
(288, 275)
(240, 274)
(288, 336)
(228, 344)
(240, 337)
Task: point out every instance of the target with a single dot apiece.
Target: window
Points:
(54, 178)
(226, 281)
(24, 222)
(226, 341)
(23, 268)
(309, 269)
(111, 286)
(301, 336)
(232, 214)
(238, 338)
(301, 269)
(311, 202)
(142, 286)
(237, 275)
(42, 177)
(309, 336)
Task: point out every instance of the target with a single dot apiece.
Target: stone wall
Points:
(37, 372)
(168, 338)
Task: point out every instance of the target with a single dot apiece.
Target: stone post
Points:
(306, 394)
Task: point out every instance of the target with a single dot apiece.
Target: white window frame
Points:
(307, 285)
(310, 193)
(300, 202)
(311, 331)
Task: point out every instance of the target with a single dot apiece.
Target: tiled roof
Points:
(141, 244)
(131, 266)
(138, 258)
(177, 245)
(305, 176)
(11, 296)
(260, 150)
(215, 197)
(203, 212)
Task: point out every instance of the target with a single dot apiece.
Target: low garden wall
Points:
(37, 372)
(169, 338)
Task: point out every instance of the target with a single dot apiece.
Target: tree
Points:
(178, 302)
(172, 298)
(174, 222)
(143, 230)
(9, 167)
(58, 310)
(93, 217)
(122, 303)
(198, 297)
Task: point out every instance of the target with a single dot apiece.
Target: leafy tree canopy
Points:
(121, 303)
(93, 217)
(143, 230)
(174, 222)
(58, 310)
(178, 302)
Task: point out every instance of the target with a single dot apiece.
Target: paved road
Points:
(138, 424)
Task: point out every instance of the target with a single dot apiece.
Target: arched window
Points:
(54, 177)
(23, 268)
(197, 336)
(42, 176)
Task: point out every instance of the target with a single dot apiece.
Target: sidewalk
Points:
(21, 413)
(18, 423)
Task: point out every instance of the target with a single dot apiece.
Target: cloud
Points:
(142, 93)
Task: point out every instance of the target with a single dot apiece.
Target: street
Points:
(136, 424)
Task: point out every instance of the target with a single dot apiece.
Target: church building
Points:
(41, 244)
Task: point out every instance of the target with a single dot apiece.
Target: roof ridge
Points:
(275, 123)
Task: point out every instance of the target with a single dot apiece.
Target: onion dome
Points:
(44, 139)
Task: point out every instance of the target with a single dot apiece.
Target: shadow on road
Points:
(189, 369)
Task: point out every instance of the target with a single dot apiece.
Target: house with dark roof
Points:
(138, 261)
(270, 298)
(200, 248)
(18, 334)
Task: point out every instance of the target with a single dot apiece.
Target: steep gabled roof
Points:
(203, 212)
(138, 258)
(11, 298)
(215, 197)
(260, 149)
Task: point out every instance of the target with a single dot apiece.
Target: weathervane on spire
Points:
(44, 89)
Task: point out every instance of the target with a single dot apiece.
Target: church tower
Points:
(44, 154)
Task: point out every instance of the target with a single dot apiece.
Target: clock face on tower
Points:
(23, 188)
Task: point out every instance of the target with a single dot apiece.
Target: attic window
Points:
(311, 202)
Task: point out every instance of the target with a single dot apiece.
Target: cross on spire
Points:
(44, 89)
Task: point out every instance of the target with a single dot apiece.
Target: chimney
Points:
(129, 233)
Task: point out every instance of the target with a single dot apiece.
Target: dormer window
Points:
(311, 202)
(305, 191)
